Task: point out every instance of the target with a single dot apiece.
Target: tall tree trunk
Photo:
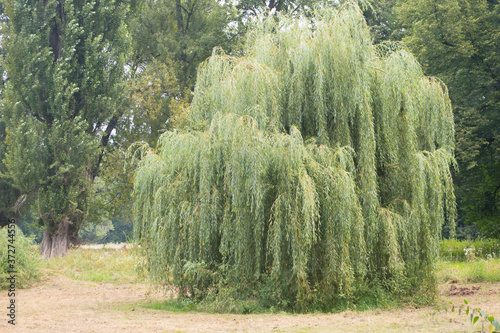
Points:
(55, 243)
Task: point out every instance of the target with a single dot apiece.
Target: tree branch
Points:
(104, 142)
(189, 15)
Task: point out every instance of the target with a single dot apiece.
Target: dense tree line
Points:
(83, 81)
(459, 42)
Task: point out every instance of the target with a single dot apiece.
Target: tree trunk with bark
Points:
(55, 243)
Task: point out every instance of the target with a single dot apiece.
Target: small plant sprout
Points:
(475, 315)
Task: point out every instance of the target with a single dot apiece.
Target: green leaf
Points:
(465, 301)
(476, 318)
(491, 318)
(496, 324)
(482, 313)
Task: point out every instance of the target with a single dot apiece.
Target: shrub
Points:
(452, 249)
(481, 270)
(25, 256)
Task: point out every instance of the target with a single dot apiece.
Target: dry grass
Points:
(61, 304)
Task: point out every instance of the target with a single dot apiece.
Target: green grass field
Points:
(97, 265)
(480, 270)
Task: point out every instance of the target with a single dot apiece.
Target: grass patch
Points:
(453, 249)
(179, 305)
(182, 305)
(97, 265)
(479, 270)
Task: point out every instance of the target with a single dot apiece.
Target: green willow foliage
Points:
(325, 167)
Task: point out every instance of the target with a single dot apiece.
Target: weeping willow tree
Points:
(322, 167)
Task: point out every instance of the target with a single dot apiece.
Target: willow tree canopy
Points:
(323, 167)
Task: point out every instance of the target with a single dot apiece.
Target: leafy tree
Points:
(321, 167)
(154, 90)
(170, 39)
(114, 190)
(167, 47)
(459, 41)
(181, 33)
(383, 23)
(254, 8)
(65, 66)
(8, 193)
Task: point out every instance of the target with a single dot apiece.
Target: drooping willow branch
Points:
(286, 181)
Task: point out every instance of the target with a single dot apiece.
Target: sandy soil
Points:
(59, 304)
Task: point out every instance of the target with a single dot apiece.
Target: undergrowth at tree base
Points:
(262, 299)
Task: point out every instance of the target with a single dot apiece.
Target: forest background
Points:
(100, 113)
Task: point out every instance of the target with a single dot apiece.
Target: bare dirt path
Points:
(59, 304)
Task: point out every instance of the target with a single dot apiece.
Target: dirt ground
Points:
(59, 304)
